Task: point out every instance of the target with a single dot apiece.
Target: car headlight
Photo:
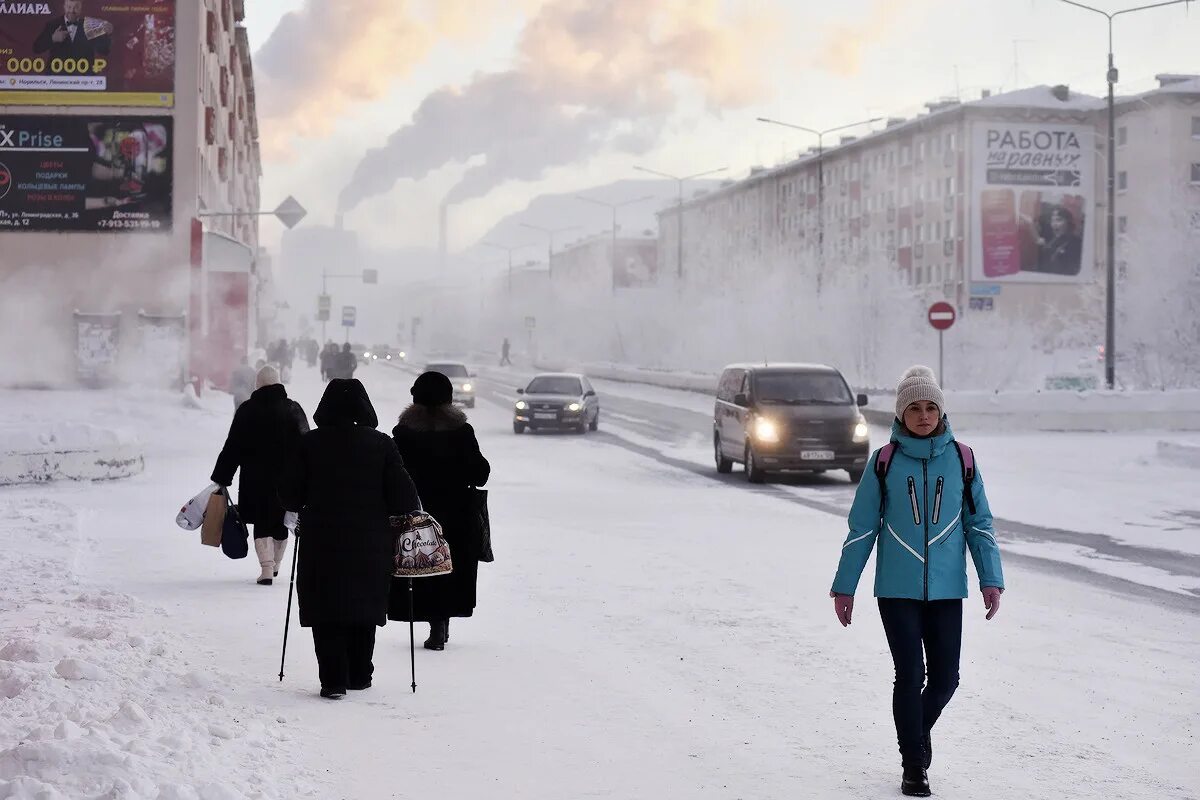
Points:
(574, 407)
(366, 355)
(467, 387)
(403, 355)
(765, 430)
(522, 405)
(861, 431)
(389, 356)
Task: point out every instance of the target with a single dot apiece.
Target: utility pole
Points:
(510, 251)
(550, 234)
(820, 179)
(679, 206)
(1110, 304)
(614, 207)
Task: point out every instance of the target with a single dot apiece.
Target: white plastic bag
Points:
(191, 516)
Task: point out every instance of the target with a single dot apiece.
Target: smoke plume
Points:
(328, 55)
(588, 76)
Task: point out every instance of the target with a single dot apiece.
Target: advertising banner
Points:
(87, 53)
(85, 173)
(1033, 190)
(636, 264)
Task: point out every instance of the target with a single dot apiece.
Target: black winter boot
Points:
(914, 783)
(928, 743)
(446, 629)
(437, 635)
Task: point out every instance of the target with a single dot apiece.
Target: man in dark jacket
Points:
(345, 363)
(265, 432)
(439, 448)
(64, 37)
(346, 480)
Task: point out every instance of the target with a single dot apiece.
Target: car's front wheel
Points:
(855, 475)
(518, 428)
(754, 473)
(595, 423)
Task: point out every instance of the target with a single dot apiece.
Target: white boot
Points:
(265, 548)
(280, 549)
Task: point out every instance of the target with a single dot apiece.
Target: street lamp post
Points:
(679, 207)
(550, 234)
(510, 251)
(820, 177)
(613, 207)
(1110, 298)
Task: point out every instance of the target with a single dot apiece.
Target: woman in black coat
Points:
(265, 430)
(345, 481)
(439, 447)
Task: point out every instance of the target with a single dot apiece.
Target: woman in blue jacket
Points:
(923, 506)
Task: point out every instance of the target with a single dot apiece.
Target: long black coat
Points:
(265, 430)
(442, 455)
(345, 480)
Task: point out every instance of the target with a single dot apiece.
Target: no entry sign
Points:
(942, 315)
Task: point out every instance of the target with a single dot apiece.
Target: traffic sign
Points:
(290, 212)
(349, 315)
(323, 304)
(370, 276)
(942, 315)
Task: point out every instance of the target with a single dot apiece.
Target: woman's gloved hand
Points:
(991, 600)
(843, 606)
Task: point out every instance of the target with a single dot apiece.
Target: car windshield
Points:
(801, 388)
(553, 384)
(449, 370)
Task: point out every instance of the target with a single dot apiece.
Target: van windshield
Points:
(801, 388)
(449, 370)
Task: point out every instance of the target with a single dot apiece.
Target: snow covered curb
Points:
(66, 451)
(1179, 454)
(100, 697)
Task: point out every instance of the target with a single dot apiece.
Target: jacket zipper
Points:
(912, 501)
(937, 501)
(925, 496)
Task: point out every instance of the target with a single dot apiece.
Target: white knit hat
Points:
(917, 385)
(267, 376)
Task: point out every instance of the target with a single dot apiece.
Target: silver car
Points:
(460, 377)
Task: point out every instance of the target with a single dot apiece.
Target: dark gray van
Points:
(788, 418)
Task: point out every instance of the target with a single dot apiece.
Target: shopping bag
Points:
(421, 549)
(214, 519)
(234, 536)
(191, 516)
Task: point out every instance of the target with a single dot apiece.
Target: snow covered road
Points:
(645, 632)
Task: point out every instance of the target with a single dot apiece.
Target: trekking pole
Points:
(412, 641)
(288, 621)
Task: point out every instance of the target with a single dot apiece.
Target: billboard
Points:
(87, 53)
(636, 264)
(1033, 191)
(85, 173)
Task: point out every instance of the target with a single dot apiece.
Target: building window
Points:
(1122, 136)
(905, 155)
(1122, 223)
(1123, 181)
(1196, 127)
(904, 196)
(950, 186)
(1196, 174)
(212, 32)
(921, 151)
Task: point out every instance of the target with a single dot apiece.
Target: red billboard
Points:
(87, 53)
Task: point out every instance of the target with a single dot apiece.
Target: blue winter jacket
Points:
(925, 531)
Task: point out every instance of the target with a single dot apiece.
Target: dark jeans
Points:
(344, 654)
(938, 625)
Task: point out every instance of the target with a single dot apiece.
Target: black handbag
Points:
(485, 525)
(234, 535)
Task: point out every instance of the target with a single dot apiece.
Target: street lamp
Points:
(614, 207)
(820, 176)
(550, 233)
(1110, 315)
(508, 250)
(679, 206)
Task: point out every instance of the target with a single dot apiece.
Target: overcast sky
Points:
(606, 84)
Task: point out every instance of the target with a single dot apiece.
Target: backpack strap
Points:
(883, 461)
(966, 458)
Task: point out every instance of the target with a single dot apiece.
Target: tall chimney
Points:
(442, 237)
(338, 219)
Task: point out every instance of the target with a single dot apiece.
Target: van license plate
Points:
(816, 455)
(552, 415)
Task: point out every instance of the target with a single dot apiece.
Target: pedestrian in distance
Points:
(266, 430)
(505, 349)
(241, 382)
(441, 452)
(922, 508)
(345, 363)
(327, 356)
(345, 480)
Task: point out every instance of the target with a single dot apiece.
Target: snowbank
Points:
(1180, 454)
(976, 410)
(39, 452)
